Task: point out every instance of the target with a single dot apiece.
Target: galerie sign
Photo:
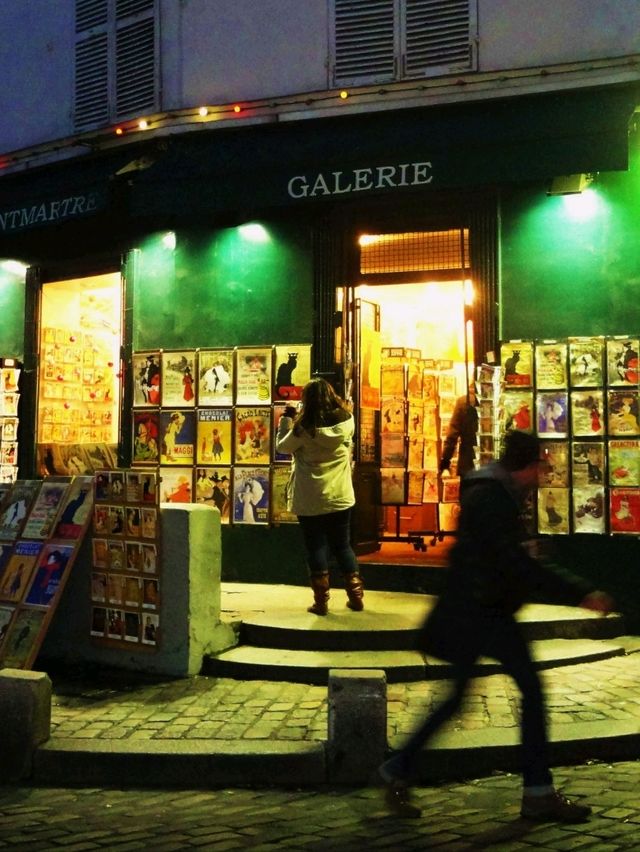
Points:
(360, 180)
(42, 213)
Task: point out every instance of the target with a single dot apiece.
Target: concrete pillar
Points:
(357, 740)
(25, 720)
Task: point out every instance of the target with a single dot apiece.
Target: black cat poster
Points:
(516, 358)
(292, 370)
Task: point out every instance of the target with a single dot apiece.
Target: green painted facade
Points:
(12, 308)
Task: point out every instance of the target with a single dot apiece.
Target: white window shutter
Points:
(364, 41)
(438, 36)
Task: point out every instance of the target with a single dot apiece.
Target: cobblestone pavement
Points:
(478, 814)
(226, 709)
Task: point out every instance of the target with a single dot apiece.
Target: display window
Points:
(79, 374)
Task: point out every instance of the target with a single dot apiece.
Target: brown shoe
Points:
(397, 798)
(553, 807)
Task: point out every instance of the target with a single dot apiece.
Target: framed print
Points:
(132, 591)
(146, 436)
(117, 559)
(555, 473)
(150, 593)
(278, 413)
(149, 486)
(149, 522)
(251, 495)
(586, 361)
(253, 375)
(392, 414)
(146, 378)
(215, 376)
(292, 371)
(393, 450)
(415, 453)
(178, 378)
(50, 574)
(588, 463)
(393, 486)
(100, 553)
(623, 367)
(415, 487)
(76, 510)
(451, 489)
(23, 639)
(252, 438)
(214, 435)
(131, 626)
(518, 410)
(18, 571)
(175, 485)
(624, 412)
(150, 629)
(393, 380)
(551, 409)
(15, 507)
(132, 521)
(149, 558)
(624, 510)
(98, 621)
(553, 510)
(430, 487)
(212, 486)
(115, 519)
(516, 358)
(624, 462)
(98, 587)
(280, 514)
(43, 514)
(551, 365)
(588, 509)
(177, 436)
(587, 413)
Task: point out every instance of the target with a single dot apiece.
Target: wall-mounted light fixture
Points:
(570, 184)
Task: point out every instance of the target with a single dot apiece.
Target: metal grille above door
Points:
(418, 251)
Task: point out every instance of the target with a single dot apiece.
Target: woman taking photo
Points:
(320, 490)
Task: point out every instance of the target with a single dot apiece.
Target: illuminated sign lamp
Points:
(570, 184)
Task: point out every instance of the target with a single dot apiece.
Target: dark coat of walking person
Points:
(462, 433)
(320, 490)
(491, 574)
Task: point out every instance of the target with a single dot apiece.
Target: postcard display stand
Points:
(417, 400)
(581, 396)
(9, 398)
(42, 525)
(490, 416)
(208, 419)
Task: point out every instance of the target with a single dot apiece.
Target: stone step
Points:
(249, 662)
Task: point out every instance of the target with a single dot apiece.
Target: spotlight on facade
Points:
(570, 184)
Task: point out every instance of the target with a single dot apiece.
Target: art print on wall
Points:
(555, 472)
(624, 511)
(518, 411)
(15, 507)
(76, 510)
(551, 409)
(623, 366)
(553, 510)
(212, 487)
(177, 437)
(280, 514)
(146, 437)
(251, 495)
(586, 361)
(589, 510)
(49, 574)
(516, 358)
(587, 413)
(214, 436)
(253, 375)
(551, 365)
(178, 379)
(624, 412)
(18, 571)
(292, 371)
(588, 463)
(215, 376)
(175, 485)
(146, 378)
(393, 487)
(624, 462)
(45, 509)
(252, 439)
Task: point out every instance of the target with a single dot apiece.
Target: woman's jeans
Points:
(330, 533)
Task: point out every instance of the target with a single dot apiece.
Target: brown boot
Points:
(320, 586)
(355, 592)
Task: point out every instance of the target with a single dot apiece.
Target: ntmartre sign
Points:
(48, 212)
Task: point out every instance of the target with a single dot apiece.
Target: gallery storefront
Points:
(359, 245)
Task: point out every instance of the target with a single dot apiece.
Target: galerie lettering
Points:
(360, 180)
(64, 208)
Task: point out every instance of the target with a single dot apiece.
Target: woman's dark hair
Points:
(321, 406)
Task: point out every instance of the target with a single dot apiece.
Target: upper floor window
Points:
(116, 65)
(376, 41)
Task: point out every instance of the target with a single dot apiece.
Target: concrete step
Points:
(248, 662)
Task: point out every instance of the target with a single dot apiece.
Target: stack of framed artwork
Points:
(581, 395)
(207, 418)
(42, 524)
(9, 398)
(126, 577)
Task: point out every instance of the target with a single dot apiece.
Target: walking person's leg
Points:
(315, 544)
(338, 535)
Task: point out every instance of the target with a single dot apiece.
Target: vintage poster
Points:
(516, 358)
(133, 555)
(392, 414)
(430, 458)
(212, 486)
(415, 454)
(98, 621)
(278, 413)
(177, 436)
(117, 559)
(18, 570)
(588, 463)
(553, 510)
(6, 614)
(430, 487)
(131, 626)
(214, 435)
(76, 510)
(146, 378)
(146, 437)
(149, 522)
(132, 521)
(367, 432)
(588, 508)
(624, 412)
(43, 514)
(587, 413)
(100, 553)
(392, 450)
(518, 410)
(252, 438)
(555, 472)
(149, 558)
(150, 629)
(551, 365)
(624, 462)
(448, 514)
(178, 379)
(98, 587)
(150, 593)
(415, 379)
(292, 371)
(280, 514)
(430, 423)
(369, 357)
(415, 487)
(624, 510)
(586, 361)
(253, 375)
(623, 367)
(415, 418)
(251, 495)
(393, 379)
(21, 644)
(450, 489)
(430, 387)
(49, 574)
(215, 377)
(393, 486)
(15, 507)
(175, 485)
(552, 411)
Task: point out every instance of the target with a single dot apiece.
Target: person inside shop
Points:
(320, 490)
(491, 574)
(462, 433)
